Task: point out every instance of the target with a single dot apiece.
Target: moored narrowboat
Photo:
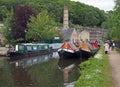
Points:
(69, 50)
(87, 49)
(30, 49)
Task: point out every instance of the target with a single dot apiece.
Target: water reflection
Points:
(45, 71)
(69, 66)
(33, 60)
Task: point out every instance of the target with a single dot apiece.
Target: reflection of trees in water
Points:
(5, 74)
(46, 74)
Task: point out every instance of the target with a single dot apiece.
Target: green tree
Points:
(116, 21)
(113, 22)
(41, 27)
(7, 29)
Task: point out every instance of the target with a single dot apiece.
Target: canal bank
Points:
(3, 51)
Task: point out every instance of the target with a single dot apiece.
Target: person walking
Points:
(113, 45)
(107, 47)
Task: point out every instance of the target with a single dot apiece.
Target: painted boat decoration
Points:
(94, 45)
(87, 49)
(69, 50)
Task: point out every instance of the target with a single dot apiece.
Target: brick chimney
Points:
(65, 18)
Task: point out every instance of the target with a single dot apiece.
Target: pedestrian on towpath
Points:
(106, 46)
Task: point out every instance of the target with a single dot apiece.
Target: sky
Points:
(105, 5)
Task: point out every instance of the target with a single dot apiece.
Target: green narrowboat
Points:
(29, 47)
(30, 50)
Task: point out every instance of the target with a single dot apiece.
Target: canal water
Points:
(42, 71)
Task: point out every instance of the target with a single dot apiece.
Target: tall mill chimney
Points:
(65, 18)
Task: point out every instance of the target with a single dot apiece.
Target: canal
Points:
(41, 71)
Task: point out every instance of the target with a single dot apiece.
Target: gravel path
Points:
(114, 60)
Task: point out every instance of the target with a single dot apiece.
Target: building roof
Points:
(66, 33)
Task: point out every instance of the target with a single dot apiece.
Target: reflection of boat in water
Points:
(71, 84)
(68, 50)
(63, 62)
(33, 60)
(67, 66)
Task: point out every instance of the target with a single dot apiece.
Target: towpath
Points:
(114, 60)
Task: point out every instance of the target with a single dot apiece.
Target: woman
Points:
(106, 45)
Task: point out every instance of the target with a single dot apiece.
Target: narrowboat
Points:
(95, 45)
(87, 50)
(69, 50)
(30, 49)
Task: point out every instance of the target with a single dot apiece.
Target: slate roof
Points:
(66, 33)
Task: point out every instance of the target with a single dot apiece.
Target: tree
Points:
(78, 12)
(114, 22)
(41, 27)
(7, 29)
(20, 20)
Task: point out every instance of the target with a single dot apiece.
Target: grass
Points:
(117, 49)
(95, 72)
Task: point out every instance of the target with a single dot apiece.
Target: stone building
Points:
(84, 35)
(69, 35)
(96, 33)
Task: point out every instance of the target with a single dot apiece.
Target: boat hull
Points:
(14, 55)
(66, 54)
(85, 54)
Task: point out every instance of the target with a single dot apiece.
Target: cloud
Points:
(105, 5)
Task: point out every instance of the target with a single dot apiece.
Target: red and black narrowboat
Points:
(87, 49)
(69, 50)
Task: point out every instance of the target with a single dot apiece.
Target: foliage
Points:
(3, 12)
(19, 21)
(113, 22)
(7, 29)
(79, 13)
(41, 27)
(116, 23)
(86, 15)
(95, 72)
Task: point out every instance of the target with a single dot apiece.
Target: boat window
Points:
(21, 47)
(40, 47)
(34, 47)
(46, 47)
(29, 48)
